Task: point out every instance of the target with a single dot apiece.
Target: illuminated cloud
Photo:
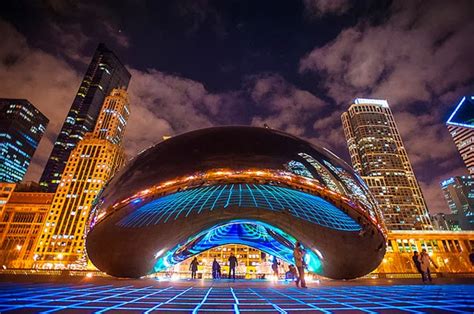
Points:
(318, 8)
(48, 82)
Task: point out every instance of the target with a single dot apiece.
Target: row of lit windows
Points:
(407, 246)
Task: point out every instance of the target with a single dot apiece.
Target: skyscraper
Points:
(21, 129)
(378, 155)
(104, 73)
(91, 164)
(459, 194)
(461, 126)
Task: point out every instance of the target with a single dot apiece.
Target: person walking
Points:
(417, 262)
(193, 267)
(425, 261)
(298, 255)
(216, 269)
(232, 264)
(275, 264)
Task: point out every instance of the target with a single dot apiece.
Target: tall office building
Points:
(378, 155)
(459, 194)
(105, 72)
(461, 126)
(21, 129)
(91, 164)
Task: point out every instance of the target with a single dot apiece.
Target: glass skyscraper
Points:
(21, 129)
(378, 155)
(461, 126)
(459, 193)
(105, 72)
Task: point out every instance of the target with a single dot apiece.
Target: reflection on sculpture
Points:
(253, 186)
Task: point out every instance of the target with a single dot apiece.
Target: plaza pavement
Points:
(72, 294)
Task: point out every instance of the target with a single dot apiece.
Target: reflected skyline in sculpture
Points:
(172, 201)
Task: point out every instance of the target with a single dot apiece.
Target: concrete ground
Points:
(69, 294)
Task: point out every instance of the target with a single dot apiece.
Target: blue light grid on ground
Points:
(92, 298)
(240, 196)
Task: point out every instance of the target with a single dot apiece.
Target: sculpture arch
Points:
(253, 186)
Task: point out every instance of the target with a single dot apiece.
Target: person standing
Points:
(417, 262)
(232, 264)
(193, 267)
(216, 269)
(298, 255)
(425, 261)
(275, 264)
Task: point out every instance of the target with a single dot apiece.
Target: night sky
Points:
(294, 65)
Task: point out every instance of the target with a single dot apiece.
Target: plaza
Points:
(23, 294)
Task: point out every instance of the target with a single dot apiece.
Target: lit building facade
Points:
(21, 223)
(105, 72)
(461, 126)
(252, 263)
(91, 164)
(21, 129)
(378, 155)
(448, 249)
(459, 194)
(6, 190)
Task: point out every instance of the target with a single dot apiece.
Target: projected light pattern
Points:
(88, 298)
(241, 196)
(258, 235)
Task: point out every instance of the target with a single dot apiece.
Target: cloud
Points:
(422, 50)
(282, 105)
(48, 82)
(71, 40)
(116, 34)
(170, 105)
(318, 8)
(420, 60)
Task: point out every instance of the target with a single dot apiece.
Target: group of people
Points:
(296, 272)
(216, 268)
(422, 263)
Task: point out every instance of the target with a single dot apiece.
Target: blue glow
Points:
(240, 197)
(447, 182)
(363, 101)
(463, 115)
(122, 296)
(255, 234)
(137, 200)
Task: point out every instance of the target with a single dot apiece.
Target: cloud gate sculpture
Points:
(235, 185)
